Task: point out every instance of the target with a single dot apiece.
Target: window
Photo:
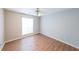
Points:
(27, 25)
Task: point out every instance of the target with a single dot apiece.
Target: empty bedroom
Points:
(39, 29)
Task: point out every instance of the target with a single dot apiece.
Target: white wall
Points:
(13, 26)
(1, 27)
(62, 25)
(36, 25)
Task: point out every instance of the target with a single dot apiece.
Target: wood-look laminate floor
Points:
(37, 42)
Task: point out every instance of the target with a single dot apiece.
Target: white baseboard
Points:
(13, 39)
(20, 37)
(28, 35)
(1, 47)
(61, 41)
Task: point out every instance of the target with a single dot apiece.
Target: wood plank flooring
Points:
(37, 42)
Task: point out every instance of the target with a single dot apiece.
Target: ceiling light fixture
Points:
(38, 12)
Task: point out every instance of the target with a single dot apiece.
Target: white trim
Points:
(20, 37)
(28, 35)
(61, 41)
(1, 47)
(12, 39)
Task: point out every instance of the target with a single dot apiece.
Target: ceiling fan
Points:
(38, 13)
